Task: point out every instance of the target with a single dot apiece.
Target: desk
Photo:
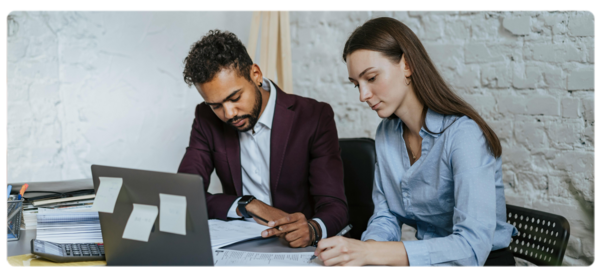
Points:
(269, 245)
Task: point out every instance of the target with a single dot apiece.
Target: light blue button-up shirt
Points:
(453, 194)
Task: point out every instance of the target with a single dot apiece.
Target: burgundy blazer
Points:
(306, 167)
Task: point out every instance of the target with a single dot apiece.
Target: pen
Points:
(9, 189)
(251, 214)
(22, 192)
(344, 231)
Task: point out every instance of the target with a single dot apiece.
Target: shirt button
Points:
(404, 194)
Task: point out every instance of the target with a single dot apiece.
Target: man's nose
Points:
(229, 110)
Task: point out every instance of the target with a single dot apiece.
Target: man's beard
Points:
(252, 118)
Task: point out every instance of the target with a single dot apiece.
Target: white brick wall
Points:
(106, 88)
(529, 74)
(102, 88)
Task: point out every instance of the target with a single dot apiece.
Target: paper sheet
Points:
(107, 194)
(223, 257)
(172, 213)
(223, 233)
(140, 222)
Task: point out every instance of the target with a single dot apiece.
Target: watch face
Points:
(246, 199)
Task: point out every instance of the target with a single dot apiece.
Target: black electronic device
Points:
(162, 248)
(245, 200)
(67, 252)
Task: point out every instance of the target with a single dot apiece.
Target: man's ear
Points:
(256, 74)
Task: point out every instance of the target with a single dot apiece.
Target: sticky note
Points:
(107, 194)
(140, 222)
(172, 213)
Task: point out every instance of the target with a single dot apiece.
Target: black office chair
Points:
(542, 238)
(359, 157)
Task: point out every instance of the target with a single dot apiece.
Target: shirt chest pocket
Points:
(433, 195)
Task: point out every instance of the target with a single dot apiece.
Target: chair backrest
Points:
(359, 157)
(542, 237)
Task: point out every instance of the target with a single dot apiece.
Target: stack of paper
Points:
(29, 218)
(223, 233)
(30, 211)
(69, 225)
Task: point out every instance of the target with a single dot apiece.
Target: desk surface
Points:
(269, 245)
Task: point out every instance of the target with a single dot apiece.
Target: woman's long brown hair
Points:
(393, 39)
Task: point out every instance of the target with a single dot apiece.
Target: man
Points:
(277, 155)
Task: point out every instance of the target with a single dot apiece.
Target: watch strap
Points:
(245, 200)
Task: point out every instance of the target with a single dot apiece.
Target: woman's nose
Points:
(365, 94)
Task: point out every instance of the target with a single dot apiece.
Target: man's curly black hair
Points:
(215, 51)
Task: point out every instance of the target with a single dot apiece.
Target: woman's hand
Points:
(339, 250)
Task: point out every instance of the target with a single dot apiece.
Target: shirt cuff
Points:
(323, 228)
(374, 234)
(417, 252)
(232, 213)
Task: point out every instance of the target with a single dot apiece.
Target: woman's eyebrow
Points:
(361, 73)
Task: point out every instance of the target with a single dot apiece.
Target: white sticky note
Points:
(140, 222)
(172, 213)
(107, 194)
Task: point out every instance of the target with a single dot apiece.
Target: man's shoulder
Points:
(203, 113)
(308, 106)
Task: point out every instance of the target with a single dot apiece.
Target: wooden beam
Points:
(285, 80)
(264, 42)
(253, 40)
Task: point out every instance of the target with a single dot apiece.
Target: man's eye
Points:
(355, 86)
(235, 100)
(215, 106)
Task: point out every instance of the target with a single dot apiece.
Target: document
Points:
(140, 222)
(223, 233)
(172, 213)
(107, 194)
(223, 257)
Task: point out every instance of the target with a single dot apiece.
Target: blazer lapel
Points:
(282, 126)
(232, 142)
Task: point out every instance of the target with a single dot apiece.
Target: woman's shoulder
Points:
(461, 126)
(386, 126)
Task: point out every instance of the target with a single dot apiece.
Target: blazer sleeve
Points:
(326, 175)
(198, 159)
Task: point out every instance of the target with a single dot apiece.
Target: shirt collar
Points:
(434, 121)
(266, 118)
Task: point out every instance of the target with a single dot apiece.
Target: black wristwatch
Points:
(245, 200)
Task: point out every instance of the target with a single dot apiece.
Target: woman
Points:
(439, 168)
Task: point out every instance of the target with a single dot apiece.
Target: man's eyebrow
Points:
(227, 98)
(361, 73)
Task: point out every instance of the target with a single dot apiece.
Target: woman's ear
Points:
(404, 67)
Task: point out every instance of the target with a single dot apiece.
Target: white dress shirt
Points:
(255, 154)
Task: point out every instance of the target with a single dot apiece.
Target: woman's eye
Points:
(372, 79)
(355, 86)
(215, 107)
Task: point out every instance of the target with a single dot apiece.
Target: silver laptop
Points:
(162, 248)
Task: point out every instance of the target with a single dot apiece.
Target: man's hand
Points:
(295, 227)
(265, 211)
